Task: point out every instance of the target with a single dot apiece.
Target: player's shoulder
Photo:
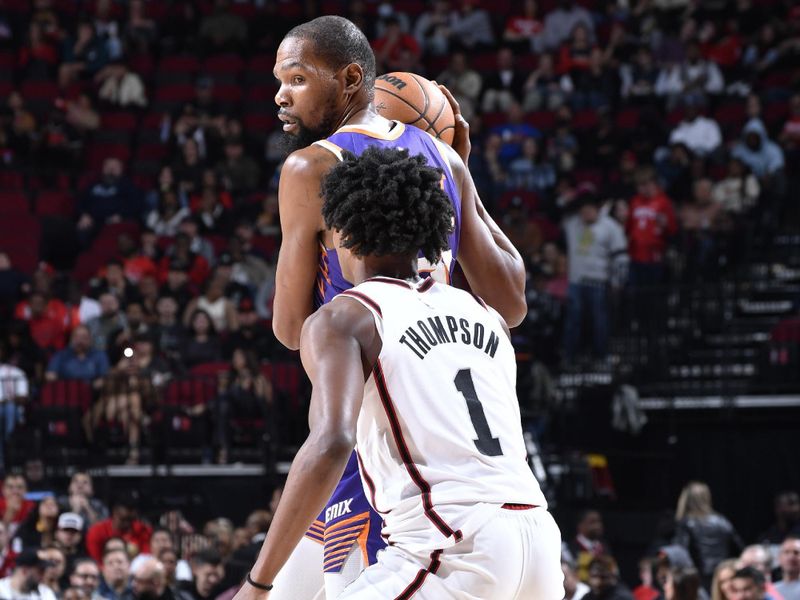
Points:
(307, 162)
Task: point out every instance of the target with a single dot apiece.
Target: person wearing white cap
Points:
(69, 538)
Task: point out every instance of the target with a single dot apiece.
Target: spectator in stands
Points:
(573, 56)
(85, 576)
(693, 75)
(165, 219)
(471, 28)
(597, 263)
(190, 227)
(176, 283)
(39, 529)
(54, 572)
(69, 538)
(13, 395)
(26, 579)
(758, 557)
(698, 133)
(562, 21)
(252, 333)
(162, 541)
(738, 192)
(202, 344)
(463, 82)
(166, 181)
(48, 320)
(702, 221)
(79, 361)
(216, 305)
(645, 590)
(524, 30)
(604, 581)
(238, 172)
(596, 85)
(115, 568)
(38, 56)
(748, 584)
(169, 558)
(168, 331)
(14, 507)
(563, 147)
(651, 222)
(181, 256)
(7, 554)
(531, 171)
(83, 55)
(706, 532)
(789, 137)
(574, 589)
(111, 319)
(113, 281)
(111, 200)
(513, 132)
(789, 560)
(123, 523)
(682, 584)
(503, 87)
(212, 216)
(149, 582)
(545, 89)
(639, 77)
(12, 284)
(723, 578)
(588, 542)
(433, 28)
(787, 519)
(80, 499)
(140, 32)
(763, 156)
(80, 113)
(244, 393)
(390, 46)
(207, 572)
(222, 30)
(189, 167)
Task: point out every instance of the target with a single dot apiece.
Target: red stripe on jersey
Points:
(405, 454)
(369, 301)
(370, 483)
(415, 585)
(426, 285)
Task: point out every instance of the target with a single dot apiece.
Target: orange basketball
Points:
(416, 101)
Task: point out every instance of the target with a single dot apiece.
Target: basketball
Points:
(416, 101)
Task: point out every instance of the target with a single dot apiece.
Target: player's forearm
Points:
(316, 470)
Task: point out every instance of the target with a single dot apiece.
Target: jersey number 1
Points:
(486, 444)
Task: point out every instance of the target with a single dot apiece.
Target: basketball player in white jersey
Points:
(420, 377)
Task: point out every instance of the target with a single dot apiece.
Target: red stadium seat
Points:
(212, 369)
(585, 119)
(628, 118)
(731, 114)
(285, 378)
(11, 180)
(179, 63)
(544, 120)
(60, 409)
(155, 152)
(97, 153)
(56, 203)
(123, 121)
(260, 123)
(223, 63)
(13, 203)
(227, 93)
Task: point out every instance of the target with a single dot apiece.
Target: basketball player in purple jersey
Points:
(326, 71)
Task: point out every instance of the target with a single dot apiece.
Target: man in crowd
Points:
(789, 560)
(149, 582)
(604, 581)
(25, 582)
(123, 524)
(80, 499)
(588, 543)
(116, 570)
(748, 584)
(207, 572)
(14, 508)
(85, 576)
(69, 538)
(79, 361)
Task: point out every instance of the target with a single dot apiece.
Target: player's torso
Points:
(439, 433)
(356, 139)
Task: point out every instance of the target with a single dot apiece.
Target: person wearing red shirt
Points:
(14, 508)
(48, 320)
(123, 524)
(651, 222)
(389, 48)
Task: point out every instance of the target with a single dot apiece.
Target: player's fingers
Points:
(453, 102)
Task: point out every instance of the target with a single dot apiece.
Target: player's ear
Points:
(353, 78)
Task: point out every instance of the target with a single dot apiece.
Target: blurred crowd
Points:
(622, 145)
(69, 544)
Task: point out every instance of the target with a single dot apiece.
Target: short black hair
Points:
(751, 573)
(386, 202)
(206, 557)
(339, 42)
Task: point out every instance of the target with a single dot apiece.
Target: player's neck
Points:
(358, 113)
(387, 266)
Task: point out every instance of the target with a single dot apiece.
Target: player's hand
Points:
(461, 143)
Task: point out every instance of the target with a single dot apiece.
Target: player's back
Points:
(439, 435)
(356, 139)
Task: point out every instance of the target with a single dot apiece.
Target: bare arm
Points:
(338, 388)
(493, 267)
(301, 223)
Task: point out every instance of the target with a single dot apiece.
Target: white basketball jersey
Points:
(439, 438)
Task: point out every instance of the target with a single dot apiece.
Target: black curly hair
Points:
(386, 202)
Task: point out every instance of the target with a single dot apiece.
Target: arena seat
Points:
(54, 203)
(60, 408)
(13, 203)
(543, 120)
(119, 120)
